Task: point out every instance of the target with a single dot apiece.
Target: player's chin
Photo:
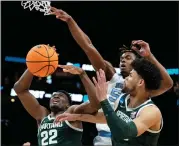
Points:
(124, 73)
(124, 89)
(52, 105)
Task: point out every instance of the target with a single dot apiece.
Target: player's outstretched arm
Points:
(124, 128)
(29, 102)
(94, 105)
(167, 81)
(84, 42)
(148, 117)
(96, 118)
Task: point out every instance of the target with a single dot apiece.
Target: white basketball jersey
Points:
(114, 90)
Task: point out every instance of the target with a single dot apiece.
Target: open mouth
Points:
(55, 101)
(123, 66)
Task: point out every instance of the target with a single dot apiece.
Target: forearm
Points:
(24, 82)
(80, 37)
(90, 89)
(167, 81)
(85, 43)
(91, 118)
(121, 128)
(28, 100)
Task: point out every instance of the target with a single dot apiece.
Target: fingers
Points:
(101, 78)
(139, 42)
(98, 77)
(135, 49)
(65, 66)
(59, 118)
(52, 13)
(95, 82)
(65, 70)
(53, 9)
(102, 75)
(136, 41)
(64, 119)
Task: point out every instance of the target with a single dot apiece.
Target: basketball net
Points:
(42, 6)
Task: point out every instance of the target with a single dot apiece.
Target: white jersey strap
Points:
(74, 128)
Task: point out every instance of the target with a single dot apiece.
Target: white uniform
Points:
(114, 90)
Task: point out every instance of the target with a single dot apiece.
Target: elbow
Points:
(169, 84)
(18, 87)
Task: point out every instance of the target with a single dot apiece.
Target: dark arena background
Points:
(109, 25)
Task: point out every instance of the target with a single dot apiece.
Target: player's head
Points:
(144, 76)
(60, 101)
(127, 56)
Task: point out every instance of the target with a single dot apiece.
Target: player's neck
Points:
(124, 75)
(138, 98)
(53, 114)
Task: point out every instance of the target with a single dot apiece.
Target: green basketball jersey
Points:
(148, 138)
(60, 134)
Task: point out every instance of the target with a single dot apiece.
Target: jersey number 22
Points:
(49, 137)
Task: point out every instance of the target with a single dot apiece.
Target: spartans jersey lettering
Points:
(58, 134)
(148, 138)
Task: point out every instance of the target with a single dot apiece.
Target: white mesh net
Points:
(42, 6)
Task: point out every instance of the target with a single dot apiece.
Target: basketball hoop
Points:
(42, 6)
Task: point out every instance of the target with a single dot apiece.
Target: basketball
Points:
(42, 60)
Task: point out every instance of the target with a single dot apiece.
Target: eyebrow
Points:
(126, 56)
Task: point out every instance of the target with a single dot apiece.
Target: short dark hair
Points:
(67, 94)
(149, 72)
(125, 49)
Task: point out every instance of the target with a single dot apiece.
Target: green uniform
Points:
(60, 134)
(148, 138)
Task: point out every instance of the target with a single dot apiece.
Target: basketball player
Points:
(136, 121)
(115, 81)
(49, 133)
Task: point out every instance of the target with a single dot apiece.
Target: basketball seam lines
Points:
(43, 55)
(42, 68)
(48, 60)
(53, 69)
(40, 61)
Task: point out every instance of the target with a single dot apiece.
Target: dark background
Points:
(109, 25)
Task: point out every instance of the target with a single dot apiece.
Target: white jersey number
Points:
(115, 93)
(48, 137)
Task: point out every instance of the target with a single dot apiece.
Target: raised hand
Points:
(71, 69)
(60, 14)
(66, 116)
(144, 49)
(101, 85)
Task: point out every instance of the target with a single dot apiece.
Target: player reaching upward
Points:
(136, 120)
(65, 133)
(49, 133)
(115, 81)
